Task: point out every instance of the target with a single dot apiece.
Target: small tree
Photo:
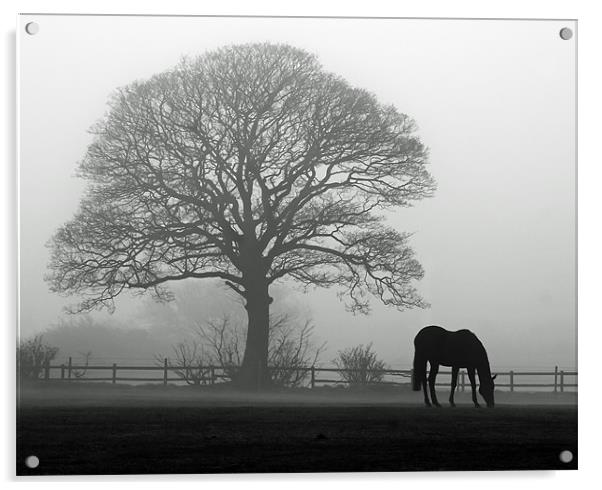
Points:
(359, 365)
(190, 363)
(32, 356)
(80, 373)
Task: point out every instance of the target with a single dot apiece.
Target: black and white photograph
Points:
(296, 244)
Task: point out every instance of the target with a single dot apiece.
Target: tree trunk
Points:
(254, 372)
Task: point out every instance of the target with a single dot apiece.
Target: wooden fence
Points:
(557, 380)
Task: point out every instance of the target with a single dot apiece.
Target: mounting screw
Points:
(566, 456)
(566, 33)
(32, 28)
(32, 462)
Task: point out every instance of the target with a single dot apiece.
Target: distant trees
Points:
(249, 164)
(360, 365)
(32, 355)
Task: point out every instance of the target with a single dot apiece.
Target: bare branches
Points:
(190, 363)
(225, 343)
(80, 373)
(249, 159)
(359, 365)
(376, 260)
(291, 349)
(32, 355)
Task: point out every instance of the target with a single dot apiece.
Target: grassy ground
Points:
(117, 430)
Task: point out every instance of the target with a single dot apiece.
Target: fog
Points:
(493, 100)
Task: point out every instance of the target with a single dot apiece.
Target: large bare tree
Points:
(249, 164)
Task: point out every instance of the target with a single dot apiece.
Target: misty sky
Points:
(493, 100)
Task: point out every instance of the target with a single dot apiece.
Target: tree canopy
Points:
(250, 161)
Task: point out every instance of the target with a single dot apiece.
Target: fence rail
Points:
(556, 380)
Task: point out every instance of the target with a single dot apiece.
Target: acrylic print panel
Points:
(233, 232)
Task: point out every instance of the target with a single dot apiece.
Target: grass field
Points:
(111, 430)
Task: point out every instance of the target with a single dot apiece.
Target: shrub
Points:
(359, 365)
(291, 352)
(189, 362)
(32, 355)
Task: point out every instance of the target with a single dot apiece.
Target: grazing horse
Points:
(461, 349)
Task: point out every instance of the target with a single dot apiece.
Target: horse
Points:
(461, 349)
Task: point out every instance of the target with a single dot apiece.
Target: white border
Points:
(590, 246)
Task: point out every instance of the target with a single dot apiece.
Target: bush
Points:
(32, 356)
(359, 365)
(291, 352)
(189, 362)
(291, 349)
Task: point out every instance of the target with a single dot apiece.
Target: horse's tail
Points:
(418, 372)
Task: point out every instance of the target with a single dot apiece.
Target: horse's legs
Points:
(423, 383)
(454, 383)
(473, 385)
(432, 378)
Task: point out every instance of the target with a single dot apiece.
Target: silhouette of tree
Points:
(250, 164)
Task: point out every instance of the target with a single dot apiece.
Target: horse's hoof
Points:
(438, 405)
(476, 405)
(452, 404)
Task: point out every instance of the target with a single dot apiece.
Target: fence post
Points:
(47, 370)
(69, 369)
(511, 380)
(313, 377)
(463, 381)
(212, 374)
(62, 371)
(555, 379)
(561, 381)
(114, 373)
(165, 371)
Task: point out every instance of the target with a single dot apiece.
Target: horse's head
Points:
(486, 387)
